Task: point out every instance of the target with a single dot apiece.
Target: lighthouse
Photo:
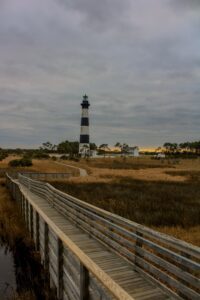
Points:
(84, 144)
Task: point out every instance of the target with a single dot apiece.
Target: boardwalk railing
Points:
(46, 176)
(172, 264)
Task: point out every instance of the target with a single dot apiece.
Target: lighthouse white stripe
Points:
(84, 129)
(84, 113)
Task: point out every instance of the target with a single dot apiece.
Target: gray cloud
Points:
(139, 61)
(186, 4)
(99, 15)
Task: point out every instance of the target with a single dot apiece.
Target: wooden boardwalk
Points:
(81, 266)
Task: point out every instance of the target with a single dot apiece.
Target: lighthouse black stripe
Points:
(84, 138)
(85, 104)
(84, 122)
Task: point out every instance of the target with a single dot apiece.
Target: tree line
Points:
(185, 147)
(71, 148)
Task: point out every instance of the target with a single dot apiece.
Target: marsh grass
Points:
(23, 296)
(190, 175)
(128, 163)
(49, 166)
(30, 277)
(152, 203)
(43, 166)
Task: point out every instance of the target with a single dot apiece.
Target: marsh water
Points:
(20, 274)
(7, 273)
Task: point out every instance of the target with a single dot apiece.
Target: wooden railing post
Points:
(31, 220)
(157, 256)
(46, 247)
(26, 216)
(60, 269)
(20, 204)
(138, 243)
(84, 283)
(37, 224)
(23, 206)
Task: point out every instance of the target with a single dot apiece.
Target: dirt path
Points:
(82, 171)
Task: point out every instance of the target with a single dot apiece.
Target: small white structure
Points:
(133, 151)
(159, 155)
(93, 153)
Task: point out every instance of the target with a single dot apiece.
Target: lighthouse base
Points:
(84, 150)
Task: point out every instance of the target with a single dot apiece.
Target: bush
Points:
(3, 155)
(24, 162)
(40, 155)
(64, 157)
(54, 158)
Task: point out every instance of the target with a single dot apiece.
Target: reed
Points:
(30, 276)
(159, 204)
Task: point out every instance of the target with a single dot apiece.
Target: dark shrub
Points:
(40, 155)
(14, 163)
(64, 157)
(3, 155)
(24, 162)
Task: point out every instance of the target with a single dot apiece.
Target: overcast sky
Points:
(138, 60)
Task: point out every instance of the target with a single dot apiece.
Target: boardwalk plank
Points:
(118, 270)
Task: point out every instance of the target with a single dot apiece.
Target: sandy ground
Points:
(50, 166)
(47, 166)
(81, 172)
(4, 163)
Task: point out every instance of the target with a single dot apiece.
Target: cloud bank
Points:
(139, 62)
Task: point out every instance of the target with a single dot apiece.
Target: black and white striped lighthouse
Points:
(84, 145)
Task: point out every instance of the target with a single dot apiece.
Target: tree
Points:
(196, 146)
(185, 146)
(3, 154)
(171, 147)
(125, 148)
(118, 144)
(103, 148)
(71, 148)
(159, 149)
(93, 146)
(48, 147)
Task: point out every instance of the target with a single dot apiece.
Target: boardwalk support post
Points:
(37, 232)
(46, 248)
(31, 221)
(62, 234)
(84, 283)
(26, 218)
(60, 269)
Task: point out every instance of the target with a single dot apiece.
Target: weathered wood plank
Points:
(180, 259)
(103, 277)
(84, 283)
(138, 244)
